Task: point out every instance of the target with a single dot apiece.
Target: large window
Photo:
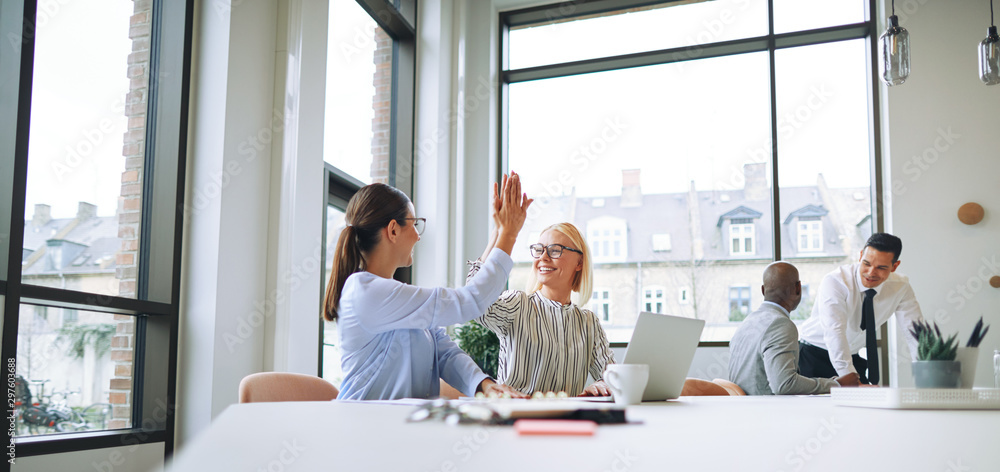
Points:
(709, 143)
(93, 115)
(369, 120)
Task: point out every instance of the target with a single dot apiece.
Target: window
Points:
(369, 120)
(657, 137)
(739, 303)
(810, 234)
(600, 304)
(93, 162)
(742, 237)
(606, 237)
(652, 299)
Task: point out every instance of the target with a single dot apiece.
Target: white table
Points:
(693, 433)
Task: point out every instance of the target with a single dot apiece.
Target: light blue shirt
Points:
(393, 344)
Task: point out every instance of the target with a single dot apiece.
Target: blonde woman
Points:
(548, 343)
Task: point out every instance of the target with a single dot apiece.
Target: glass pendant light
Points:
(989, 54)
(895, 64)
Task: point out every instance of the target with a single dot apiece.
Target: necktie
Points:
(868, 324)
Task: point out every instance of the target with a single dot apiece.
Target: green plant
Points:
(78, 337)
(481, 344)
(931, 344)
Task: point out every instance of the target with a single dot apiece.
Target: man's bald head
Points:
(781, 285)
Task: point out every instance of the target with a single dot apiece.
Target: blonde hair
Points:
(583, 281)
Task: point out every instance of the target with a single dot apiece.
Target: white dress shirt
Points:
(835, 322)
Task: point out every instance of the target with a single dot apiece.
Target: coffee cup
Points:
(627, 382)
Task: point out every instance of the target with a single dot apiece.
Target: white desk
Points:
(694, 433)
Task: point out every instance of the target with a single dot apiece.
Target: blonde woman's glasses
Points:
(555, 250)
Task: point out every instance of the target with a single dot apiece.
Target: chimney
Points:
(42, 216)
(631, 191)
(86, 211)
(755, 182)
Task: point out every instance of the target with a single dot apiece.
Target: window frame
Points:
(771, 42)
(740, 300)
(603, 315)
(649, 298)
(154, 377)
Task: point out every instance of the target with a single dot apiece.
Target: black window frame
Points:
(771, 42)
(154, 377)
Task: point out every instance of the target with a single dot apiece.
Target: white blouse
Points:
(545, 346)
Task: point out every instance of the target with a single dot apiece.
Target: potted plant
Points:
(935, 366)
(481, 344)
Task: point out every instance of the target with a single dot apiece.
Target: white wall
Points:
(943, 151)
(225, 235)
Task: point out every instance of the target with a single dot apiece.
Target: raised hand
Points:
(511, 213)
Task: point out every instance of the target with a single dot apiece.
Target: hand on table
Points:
(596, 389)
(491, 388)
(849, 380)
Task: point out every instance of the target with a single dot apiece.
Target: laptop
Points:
(667, 344)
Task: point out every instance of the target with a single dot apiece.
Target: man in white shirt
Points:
(853, 302)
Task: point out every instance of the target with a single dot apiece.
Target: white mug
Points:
(627, 382)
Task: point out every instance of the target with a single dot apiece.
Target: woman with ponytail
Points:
(392, 334)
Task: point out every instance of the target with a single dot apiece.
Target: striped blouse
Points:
(545, 346)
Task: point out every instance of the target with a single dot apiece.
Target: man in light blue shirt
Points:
(764, 352)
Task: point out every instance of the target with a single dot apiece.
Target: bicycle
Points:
(43, 418)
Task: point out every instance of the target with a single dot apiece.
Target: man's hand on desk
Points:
(849, 380)
(491, 388)
(596, 389)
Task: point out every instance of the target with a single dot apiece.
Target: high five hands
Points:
(510, 209)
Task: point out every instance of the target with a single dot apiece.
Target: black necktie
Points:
(868, 324)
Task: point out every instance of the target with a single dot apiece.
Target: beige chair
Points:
(730, 387)
(449, 392)
(285, 387)
(699, 387)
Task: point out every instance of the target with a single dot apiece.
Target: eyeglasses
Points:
(555, 250)
(419, 224)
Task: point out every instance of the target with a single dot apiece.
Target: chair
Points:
(730, 387)
(698, 387)
(285, 387)
(449, 392)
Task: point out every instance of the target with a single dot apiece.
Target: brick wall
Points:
(130, 211)
(381, 103)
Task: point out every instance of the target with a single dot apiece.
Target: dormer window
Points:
(741, 234)
(808, 225)
(741, 237)
(810, 232)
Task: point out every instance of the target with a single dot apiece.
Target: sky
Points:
(696, 121)
(77, 107)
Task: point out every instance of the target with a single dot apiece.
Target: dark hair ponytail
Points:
(370, 210)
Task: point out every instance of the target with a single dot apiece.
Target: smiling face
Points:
(875, 267)
(557, 273)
